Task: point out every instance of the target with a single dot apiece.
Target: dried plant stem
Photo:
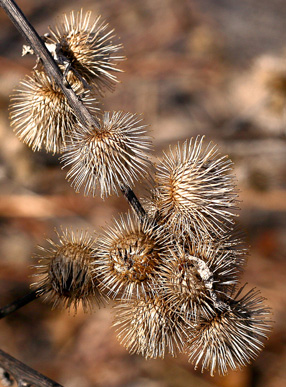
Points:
(24, 375)
(133, 201)
(8, 309)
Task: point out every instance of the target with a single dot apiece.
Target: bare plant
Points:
(173, 267)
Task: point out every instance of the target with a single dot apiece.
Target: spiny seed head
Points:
(194, 277)
(184, 288)
(231, 338)
(130, 253)
(116, 154)
(40, 113)
(149, 328)
(194, 192)
(88, 47)
(271, 75)
(65, 272)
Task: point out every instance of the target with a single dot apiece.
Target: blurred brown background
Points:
(194, 67)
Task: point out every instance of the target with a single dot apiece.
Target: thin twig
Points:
(133, 201)
(24, 375)
(8, 309)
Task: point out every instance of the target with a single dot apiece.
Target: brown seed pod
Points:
(40, 113)
(130, 254)
(103, 159)
(150, 328)
(65, 275)
(88, 49)
(232, 337)
(195, 192)
(196, 276)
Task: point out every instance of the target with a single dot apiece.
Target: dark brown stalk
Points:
(8, 309)
(133, 201)
(23, 375)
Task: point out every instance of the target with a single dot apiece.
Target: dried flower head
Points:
(194, 192)
(270, 75)
(150, 328)
(231, 338)
(65, 272)
(115, 154)
(87, 48)
(196, 276)
(40, 113)
(129, 255)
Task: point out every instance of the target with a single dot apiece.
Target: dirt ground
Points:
(193, 67)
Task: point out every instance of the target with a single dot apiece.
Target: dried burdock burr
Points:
(150, 328)
(195, 191)
(103, 159)
(65, 275)
(86, 48)
(195, 277)
(130, 255)
(40, 113)
(232, 337)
